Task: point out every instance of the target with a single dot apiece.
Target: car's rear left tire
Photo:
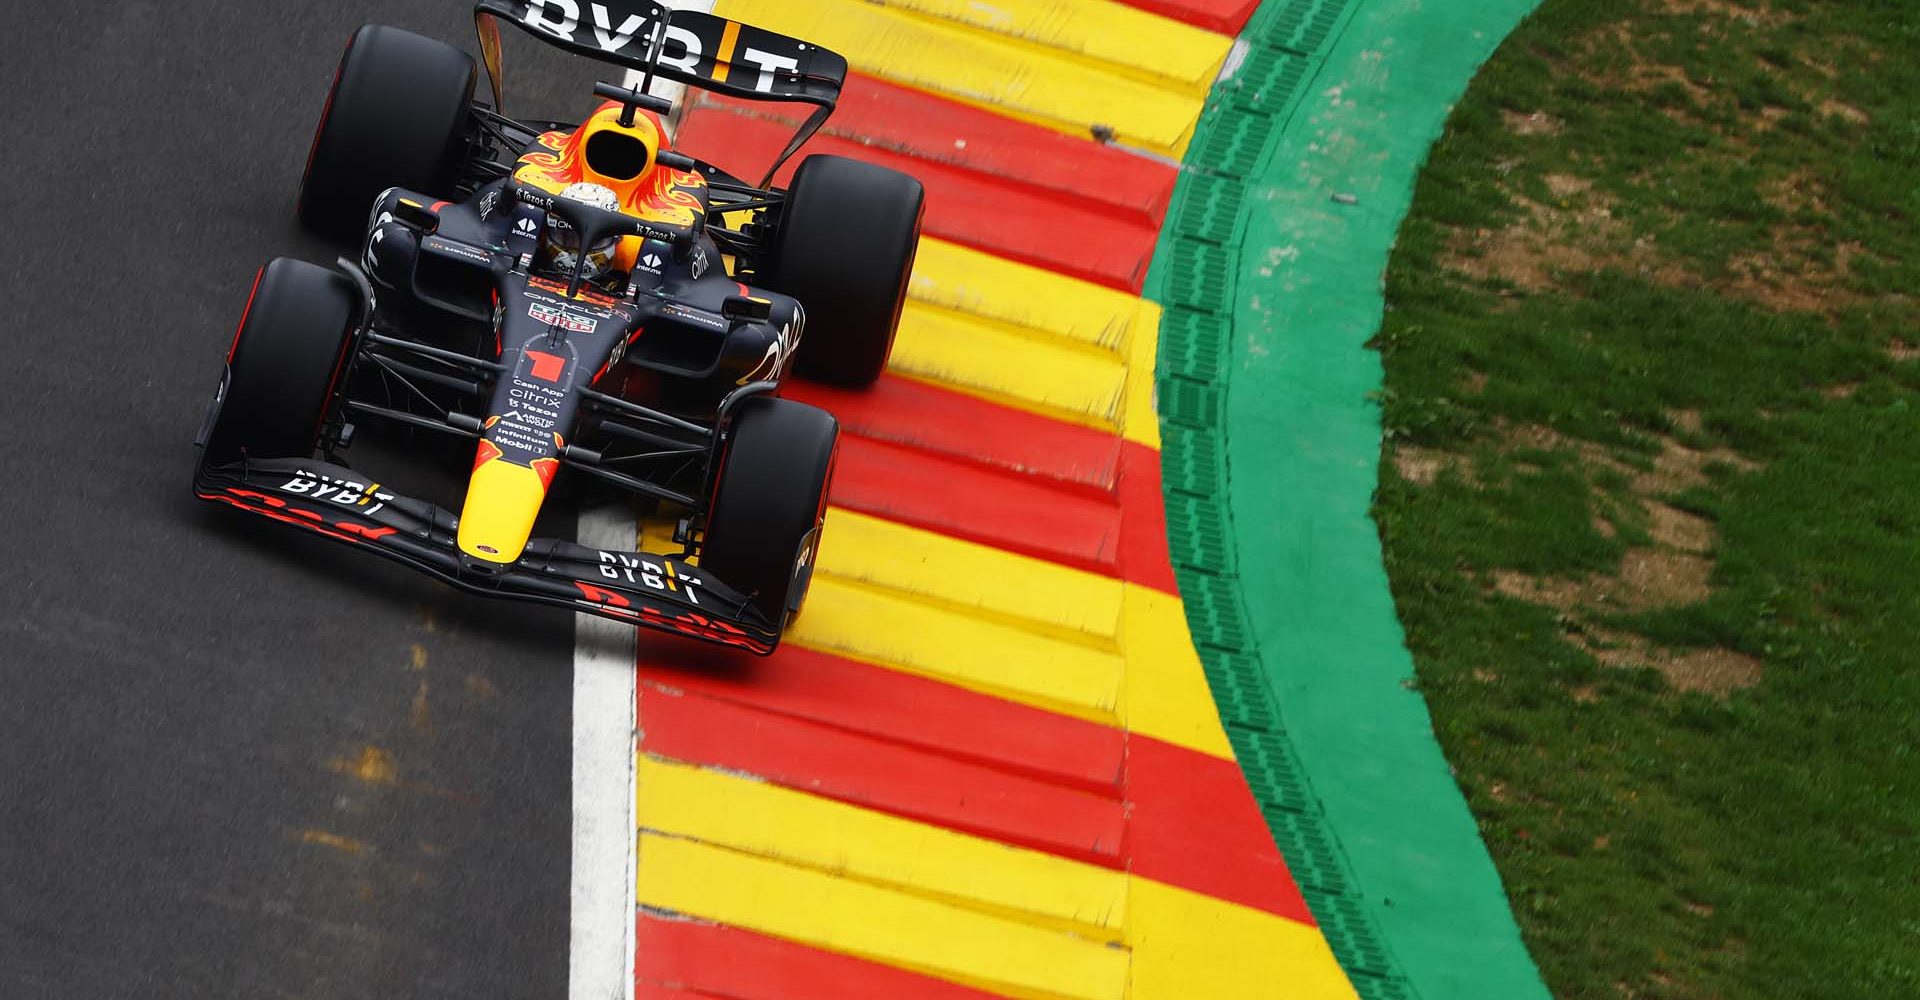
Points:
(395, 117)
(284, 365)
(769, 498)
(844, 248)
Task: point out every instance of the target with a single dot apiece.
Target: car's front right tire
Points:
(285, 362)
(769, 500)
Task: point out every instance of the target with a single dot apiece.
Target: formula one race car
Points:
(570, 296)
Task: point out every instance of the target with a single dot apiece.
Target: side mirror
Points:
(416, 216)
(740, 308)
(674, 161)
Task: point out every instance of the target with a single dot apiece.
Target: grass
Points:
(1651, 503)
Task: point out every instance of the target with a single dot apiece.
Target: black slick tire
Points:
(845, 248)
(395, 117)
(769, 496)
(285, 362)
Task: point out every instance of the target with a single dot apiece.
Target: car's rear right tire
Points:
(284, 365)
(395, 117)
(769, 497)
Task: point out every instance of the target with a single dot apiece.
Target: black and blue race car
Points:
(576, 299)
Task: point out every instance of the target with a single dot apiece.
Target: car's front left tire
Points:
(395, 117)
(285, 362)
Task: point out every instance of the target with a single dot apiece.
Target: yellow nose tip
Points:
(503, 500)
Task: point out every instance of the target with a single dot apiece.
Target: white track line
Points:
(600, 959)
(600, 955)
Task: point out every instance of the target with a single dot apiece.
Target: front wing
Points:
(638, 588)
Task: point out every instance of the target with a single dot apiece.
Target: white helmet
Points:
(564, 241)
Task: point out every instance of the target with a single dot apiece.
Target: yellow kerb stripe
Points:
(780, 824)
(966, 280)
(1111, 36)
(1024, 337)
(1015, 627)
(1060, 89)
(1187, 946)
(1167, 696)
(894, 629)
(1139, 415)
(900, 929)
(937, 569)
(1006, 364)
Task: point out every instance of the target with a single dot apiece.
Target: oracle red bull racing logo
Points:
(565, 320)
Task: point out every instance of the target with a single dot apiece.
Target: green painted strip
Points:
(1271, 270)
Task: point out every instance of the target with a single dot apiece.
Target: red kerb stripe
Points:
(685, 959)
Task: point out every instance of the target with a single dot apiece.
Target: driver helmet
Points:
(563, 241)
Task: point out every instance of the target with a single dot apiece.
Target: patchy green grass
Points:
(1651, 502)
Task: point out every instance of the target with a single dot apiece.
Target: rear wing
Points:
(699, 49)
(688, 46)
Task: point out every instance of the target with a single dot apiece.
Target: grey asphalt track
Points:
(235, 761)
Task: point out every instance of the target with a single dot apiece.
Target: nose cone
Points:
(503, 499)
